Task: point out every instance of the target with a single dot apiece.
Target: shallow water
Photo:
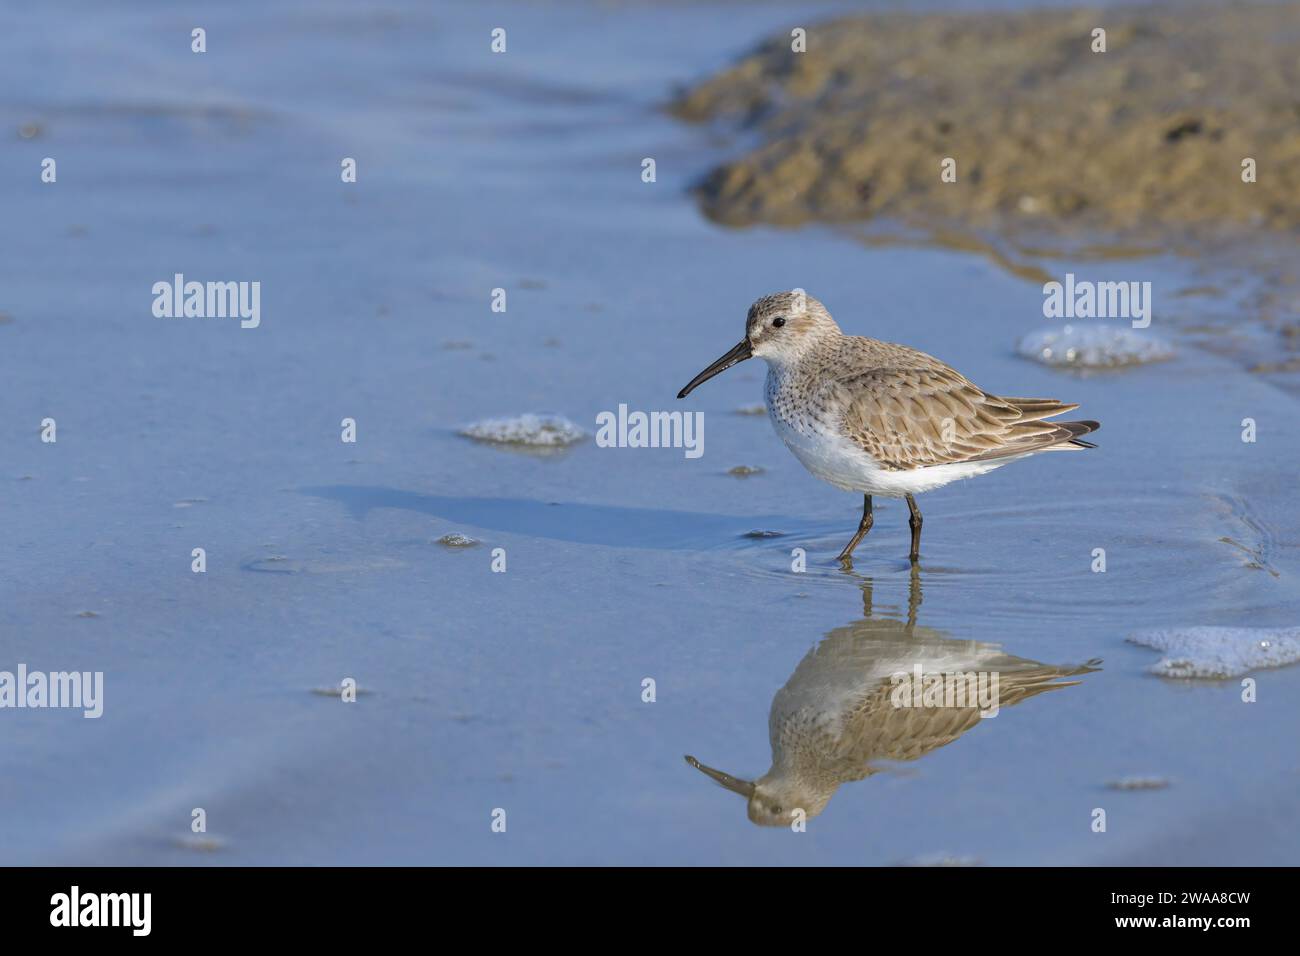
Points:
(522, 690)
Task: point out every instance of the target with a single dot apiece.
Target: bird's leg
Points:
(914, 522)
(863, 527)
(913, 598)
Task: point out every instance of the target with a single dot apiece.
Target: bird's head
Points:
(780, 328)
(772, 800)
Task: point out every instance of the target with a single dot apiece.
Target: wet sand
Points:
(1145, 138)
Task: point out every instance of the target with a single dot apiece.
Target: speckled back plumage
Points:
(907, 409)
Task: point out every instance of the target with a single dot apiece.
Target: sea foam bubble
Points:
(1219, 652)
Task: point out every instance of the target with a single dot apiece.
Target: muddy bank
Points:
(1145, 139)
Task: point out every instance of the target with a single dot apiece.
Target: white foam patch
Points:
(1138, 783)
(1093, 346)
(1219, 652)
(539, 430)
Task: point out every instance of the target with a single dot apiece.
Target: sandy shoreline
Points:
(1144, 138)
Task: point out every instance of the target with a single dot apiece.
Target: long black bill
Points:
(743, 787)
(738, 354)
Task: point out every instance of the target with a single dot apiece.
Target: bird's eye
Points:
(778, 322)
(777, 810)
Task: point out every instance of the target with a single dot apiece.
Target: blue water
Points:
(522, 690)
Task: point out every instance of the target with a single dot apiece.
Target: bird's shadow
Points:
(561, 520)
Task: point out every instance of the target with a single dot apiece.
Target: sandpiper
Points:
(850, 704)
(884, 419)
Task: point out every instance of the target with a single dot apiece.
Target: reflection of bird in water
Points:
(837, 713)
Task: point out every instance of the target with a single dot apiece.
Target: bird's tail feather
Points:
(1076, 429)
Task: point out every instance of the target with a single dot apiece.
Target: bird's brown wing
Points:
(914, 411)
(879, 730)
